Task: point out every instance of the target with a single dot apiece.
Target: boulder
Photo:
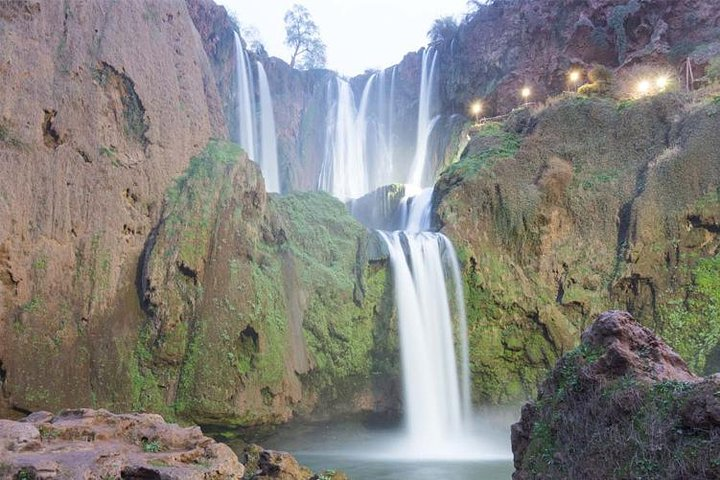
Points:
(87, 444)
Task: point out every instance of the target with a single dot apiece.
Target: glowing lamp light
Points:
(574, 76)
(525, 93)
(662, 83)
(476, 109)
(643, 87)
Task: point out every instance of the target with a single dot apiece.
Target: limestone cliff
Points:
(94, 125)
(508, 44)
(585, 204)
(260, 306)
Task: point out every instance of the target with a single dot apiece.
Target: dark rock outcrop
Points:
(87, 443)
(621, 405)
(509, 44)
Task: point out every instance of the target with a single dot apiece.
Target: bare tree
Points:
(303, 37)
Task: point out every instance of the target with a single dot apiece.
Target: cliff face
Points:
(621, 405)
(510, 44)
(260, 307)
(93, 127)
(585, 204)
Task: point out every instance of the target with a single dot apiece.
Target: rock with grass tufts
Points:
(86, 444)
(621, 405)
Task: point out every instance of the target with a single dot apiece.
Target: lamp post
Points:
(476, 110)
(525, 94)
(574, 78)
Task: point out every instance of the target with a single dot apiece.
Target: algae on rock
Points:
(260, 306)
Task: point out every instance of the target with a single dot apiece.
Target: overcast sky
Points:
(359, 34)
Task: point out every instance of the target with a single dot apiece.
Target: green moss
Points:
(494, 144)
(689, 325)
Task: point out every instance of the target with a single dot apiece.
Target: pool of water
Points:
(372, 452)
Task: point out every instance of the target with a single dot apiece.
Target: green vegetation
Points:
(108, 152)
(713, 69)
(153, 446)
(7, 137)
(690, 325)
(491, 143)
(601, 81)
(35, 305)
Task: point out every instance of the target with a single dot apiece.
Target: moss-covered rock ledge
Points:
(585, 204)
(259, 307)
(622, 405)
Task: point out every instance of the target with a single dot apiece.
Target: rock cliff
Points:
(583, 205)
(94, 126)
(509, 44)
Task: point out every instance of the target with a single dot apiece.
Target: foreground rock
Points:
(84, 444)
(621, 405)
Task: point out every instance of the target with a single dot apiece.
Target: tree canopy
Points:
(443, 29)
(303, 37)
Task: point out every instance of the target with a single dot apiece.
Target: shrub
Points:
(713, 69)
(601, 81)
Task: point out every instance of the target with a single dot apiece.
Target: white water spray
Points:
(245, 100)
(255, 131)
(426, 119)
(268, 140)
(435, 386)
(344, 172)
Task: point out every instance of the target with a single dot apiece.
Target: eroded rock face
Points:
(261, 307)
(510, 44)
(85, 444)
(565, 211)
(103, 104)
(621, 405)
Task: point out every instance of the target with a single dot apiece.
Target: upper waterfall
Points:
(255, 120)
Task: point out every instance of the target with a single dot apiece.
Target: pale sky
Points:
(359, 34)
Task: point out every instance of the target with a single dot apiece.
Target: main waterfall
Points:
(360, 156)
(255, 129)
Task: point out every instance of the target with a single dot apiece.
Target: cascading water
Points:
(245, 100)
(255, 120)
(428, 290)
(268, 140)
(426, 119)
(344, 172)
(435, 379)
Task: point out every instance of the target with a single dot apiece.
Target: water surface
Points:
(370, 452)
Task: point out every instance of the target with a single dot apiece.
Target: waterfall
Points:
(245, 100)
(435, 388)
(255, 129)
(268, 140)
(415, 209)
(426, 120)
(344, 172)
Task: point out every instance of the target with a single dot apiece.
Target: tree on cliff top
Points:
(303, 37)
(443, 29)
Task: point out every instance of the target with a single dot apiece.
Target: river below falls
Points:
(375, 452)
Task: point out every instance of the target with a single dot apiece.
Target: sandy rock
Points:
(85, 444)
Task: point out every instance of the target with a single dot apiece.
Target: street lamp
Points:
(661, 82)
(643, 87)
(525, 93)
(574, 78)
(476, 110)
